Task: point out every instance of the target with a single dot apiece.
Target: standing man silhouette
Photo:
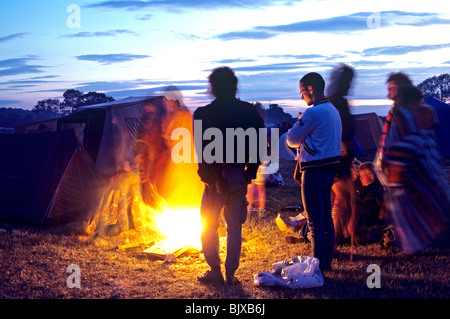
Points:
(225, 181)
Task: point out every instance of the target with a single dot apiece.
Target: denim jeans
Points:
(316, 198)
(234, 206)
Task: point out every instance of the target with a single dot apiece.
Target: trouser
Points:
(234, 204)
(316, 198)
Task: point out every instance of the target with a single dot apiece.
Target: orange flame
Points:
(162, 197)
(172, 199)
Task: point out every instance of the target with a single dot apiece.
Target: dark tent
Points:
(368, 129)
(109, 130)
(46, 176)
(443, 129)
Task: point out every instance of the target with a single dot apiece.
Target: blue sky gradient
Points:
(129, 48)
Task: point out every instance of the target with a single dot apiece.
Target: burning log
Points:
(136, 244)
(168, 249)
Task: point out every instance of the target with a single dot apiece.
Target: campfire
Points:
(181, 228)
(154, 196)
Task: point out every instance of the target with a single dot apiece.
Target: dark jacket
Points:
(223, 115)
(369, 201)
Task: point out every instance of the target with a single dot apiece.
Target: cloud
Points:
(107, 86)
(273, 67)
(5, 103)
(402, 49)
(13, 37)
(349, 23)
(184, 4)
(18, 66)
(28, 82)
(412, 18)
(297, 56)
(146, 17)
(368, 63)
(229, 61)
(109, 33)
(157, 90)
(138, 87)
(355, 22)
(44, 77)
(248, 35)
(286, 66)
(111, 58)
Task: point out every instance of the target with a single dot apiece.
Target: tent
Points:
(443, 129)
(45, 177)
(136, 132)
(131, 136)
(368, 129)
(109, 130)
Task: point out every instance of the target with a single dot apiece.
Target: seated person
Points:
(354, 171)
(369, 196)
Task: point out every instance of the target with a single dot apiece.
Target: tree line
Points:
(73, 99)
(274, 114)
(437, 86)
(50, 108)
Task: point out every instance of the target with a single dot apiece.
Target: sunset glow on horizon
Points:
(138, 48)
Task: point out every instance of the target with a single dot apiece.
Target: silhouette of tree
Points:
(260, 108)
(48, 105)
(95, 98)
(436, 86)
(275, 114)
(73, 99)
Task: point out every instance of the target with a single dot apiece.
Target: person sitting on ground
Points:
(369, 197)
(354, 171)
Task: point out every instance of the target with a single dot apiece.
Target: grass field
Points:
(34, 262)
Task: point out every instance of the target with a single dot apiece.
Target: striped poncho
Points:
(408, 164)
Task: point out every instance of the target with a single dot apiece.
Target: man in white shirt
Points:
(317, 136)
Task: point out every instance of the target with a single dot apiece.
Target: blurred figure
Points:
(161, 178)
(343, 194)
(393, 82)
(225, 183)
(177, 183)
(408, 165)
(149, 147)
(256, 192)
(354, 172)
(118, 206)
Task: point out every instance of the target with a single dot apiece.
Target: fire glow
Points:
(181, 226)
(153, 199)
